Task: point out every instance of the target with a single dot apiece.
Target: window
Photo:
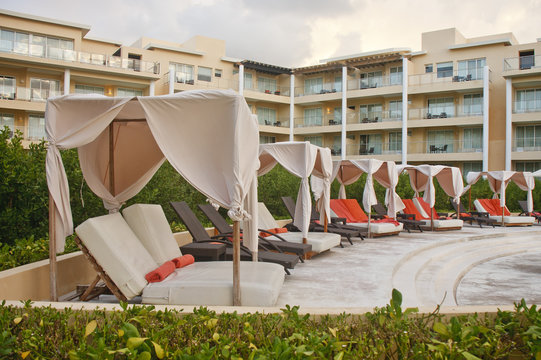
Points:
(42, 89)
(87, 89)
(248, 81)
(371, 79)
(473, 104)
(527, 166)
(204, 73)
(370, 113)
(313, 86)
(183, 73)
(440, 141)
(36, 45)
(266, 116)
(123, 92)
(395, 142)
(21, 45)
(337, 115)
(336, 146)
(396, 75)
(471, 69)
(528, 100)
(7, 39)
(338, 83)
(441, 107)
(314, 140)
(473, 140)
(528, 137)
(36, 127)
(429, 68)
(7, 87)
(526, 59)
(313, 117)
(217, 72)
(265, 139)
(9, 121)
(445, 69)
(370, 144)
(266, 85)
(475, 166)
(395, 109)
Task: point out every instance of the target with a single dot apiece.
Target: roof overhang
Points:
(153, 46)
(84, 28)
(505, 42)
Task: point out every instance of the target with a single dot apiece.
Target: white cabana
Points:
(498, 181)
(209, 137)
(422, 179)
(301, 159)
(385, 172)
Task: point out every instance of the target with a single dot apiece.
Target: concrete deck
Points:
(472, 266)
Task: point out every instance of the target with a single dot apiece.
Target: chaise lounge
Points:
(122, 260)
(493, 208)
(439, 224)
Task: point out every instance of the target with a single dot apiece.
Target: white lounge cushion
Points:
(380, 228)
(118, 251)
(444, 224)
(211, 283)
(320, 241)
(522, 220)
(149, 223)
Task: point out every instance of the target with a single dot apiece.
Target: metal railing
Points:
(280, 122)
(325, 88)
(214, 83)
(448, 112)
(526, 106)
(83, 57)
(375, 148)
(443, 147)
(373, 116)
(28, 94)
(325, 120)
(375, 82)
(522, 62)
(456, 76)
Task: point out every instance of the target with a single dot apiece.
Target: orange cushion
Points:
(356, 212)
(183, 260)
(487, 205)
(496, 205)
(412, 209)
(341, 210)
(274, 231)
(161, 272)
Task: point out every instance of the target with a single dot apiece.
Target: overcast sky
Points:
(292, 32)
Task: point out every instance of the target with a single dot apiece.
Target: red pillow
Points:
(161, 272)
(274, 231)
(183, 260)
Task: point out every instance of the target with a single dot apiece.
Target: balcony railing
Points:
(527, 106)
(527, 144)
(373, 117)
(457, 76)
(326, 120)
(325, 88)
(375, 82)
(375, 148)
(447, 112)
(214, 83)
(83, 58)
(28, 94)
(522, 63)
(443, 147)
(280, 122)
(274, 90)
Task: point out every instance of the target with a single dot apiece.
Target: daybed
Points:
(492, 206)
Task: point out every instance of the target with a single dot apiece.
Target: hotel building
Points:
(474, 103)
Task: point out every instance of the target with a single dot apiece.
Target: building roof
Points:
(153, 46)
(85, 28)
(505, 41)
(265, 68)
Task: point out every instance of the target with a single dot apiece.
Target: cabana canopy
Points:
(209, 137)
(385, 172)
(421, 179)
(498, 181)
(302, 159)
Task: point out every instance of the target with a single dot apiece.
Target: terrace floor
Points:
(472, 266)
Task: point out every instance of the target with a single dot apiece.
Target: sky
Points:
(292, 33)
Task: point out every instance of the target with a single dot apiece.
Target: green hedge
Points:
(141, 332)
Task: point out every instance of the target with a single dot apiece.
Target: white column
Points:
(344, 107)
(485, 117)
(241, 79)
(171, 79)
(151, 88)
(67, 79)
(404, 111)
(291, 106)
(508, 122)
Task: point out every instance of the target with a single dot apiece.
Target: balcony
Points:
(187, 82)
(530, 62)
(326, 120)
(527, 106)
(375, 82)
(526, 144)
(373, 117)
(374, 149)
(274, 90)
(449, 150)
(325, 88)
(72, 56)
(281, 123)
(27, 99)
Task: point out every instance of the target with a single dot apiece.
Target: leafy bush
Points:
(142, 332)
